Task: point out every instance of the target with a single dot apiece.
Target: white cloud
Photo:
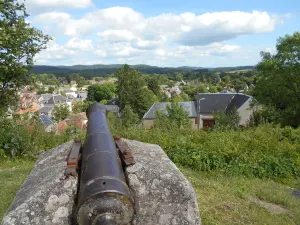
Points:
(37, 6)
(125, 24)
(83, 45)
(54, 52)
(125, 34)
(53, 17)
(100, 52)
(192, 29)
(116, 35)
(66, 25)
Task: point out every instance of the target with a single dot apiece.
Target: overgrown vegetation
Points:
(266, 151)
(27, 140)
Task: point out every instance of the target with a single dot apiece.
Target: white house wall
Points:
(245, 112)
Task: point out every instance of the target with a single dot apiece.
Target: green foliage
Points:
(176, 118)
(176, 98)
(185, 97)
(202, 88)
(229, 120)
(18, 138)
(19, 43)
(178, 115)
(45, 79)
(61, 111)
(131, 91)
(51, 90)
(264, 152)
(128, 117)
(279, 79)
(99, 92)
(79, 107)
(179, 77)
(153, 85)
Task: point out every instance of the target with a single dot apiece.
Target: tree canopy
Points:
(19, 43)
(100, 92)
(61, 111)
(131, 91)
(278, 83)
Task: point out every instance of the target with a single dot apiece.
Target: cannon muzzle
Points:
(104, 197)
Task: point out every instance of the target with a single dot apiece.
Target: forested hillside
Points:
(105, 70)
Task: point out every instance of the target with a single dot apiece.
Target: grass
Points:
(226, 200)
(12, 176)
(222, 199)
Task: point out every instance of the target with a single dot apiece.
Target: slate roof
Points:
(237, 102)
(56, 99)
(189, 107)
(221, 102)
(46, 97)
(46, 120)
(45, 109)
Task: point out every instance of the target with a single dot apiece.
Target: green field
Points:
(222, 199)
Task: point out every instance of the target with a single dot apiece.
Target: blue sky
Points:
(162, 33)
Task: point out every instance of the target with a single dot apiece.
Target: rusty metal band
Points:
(97, 152)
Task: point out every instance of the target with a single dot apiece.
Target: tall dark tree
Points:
(132, 92)
(278, 83)
(19, 43)
(153, 85)
(99, 92)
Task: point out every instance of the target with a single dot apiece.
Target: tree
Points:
(61, 111)
(99, 92)
(128, 117)
(81, 82)
(179, 77)
(153, 85)
(19, 43)
(51, 90)
(176, 98)
(278, 79)
(132, 92)
(79, 107)
(227, 120)
(178, 115)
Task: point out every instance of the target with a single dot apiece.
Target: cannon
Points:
(103, 197)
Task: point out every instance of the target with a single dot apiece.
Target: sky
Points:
(163, 33)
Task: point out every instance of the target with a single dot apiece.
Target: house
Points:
(201, 112)
(32, 108)
(78, 120)
(44, 98)
(189, 107)
(27, 100)
(48, 123)
(82, 95)
(210, 103)
(58, 99)
(47, 111)
(70, 93)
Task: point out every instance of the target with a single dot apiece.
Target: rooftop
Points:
(189, 107)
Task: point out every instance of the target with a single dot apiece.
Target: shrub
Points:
(19, 139)
(265, 151)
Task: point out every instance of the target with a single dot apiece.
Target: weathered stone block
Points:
(162, 195)
(46, 197)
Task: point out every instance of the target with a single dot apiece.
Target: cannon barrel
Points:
(104, 197)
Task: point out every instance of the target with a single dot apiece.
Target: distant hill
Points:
(105, 70)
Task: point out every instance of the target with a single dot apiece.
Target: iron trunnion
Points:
(103, 197)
